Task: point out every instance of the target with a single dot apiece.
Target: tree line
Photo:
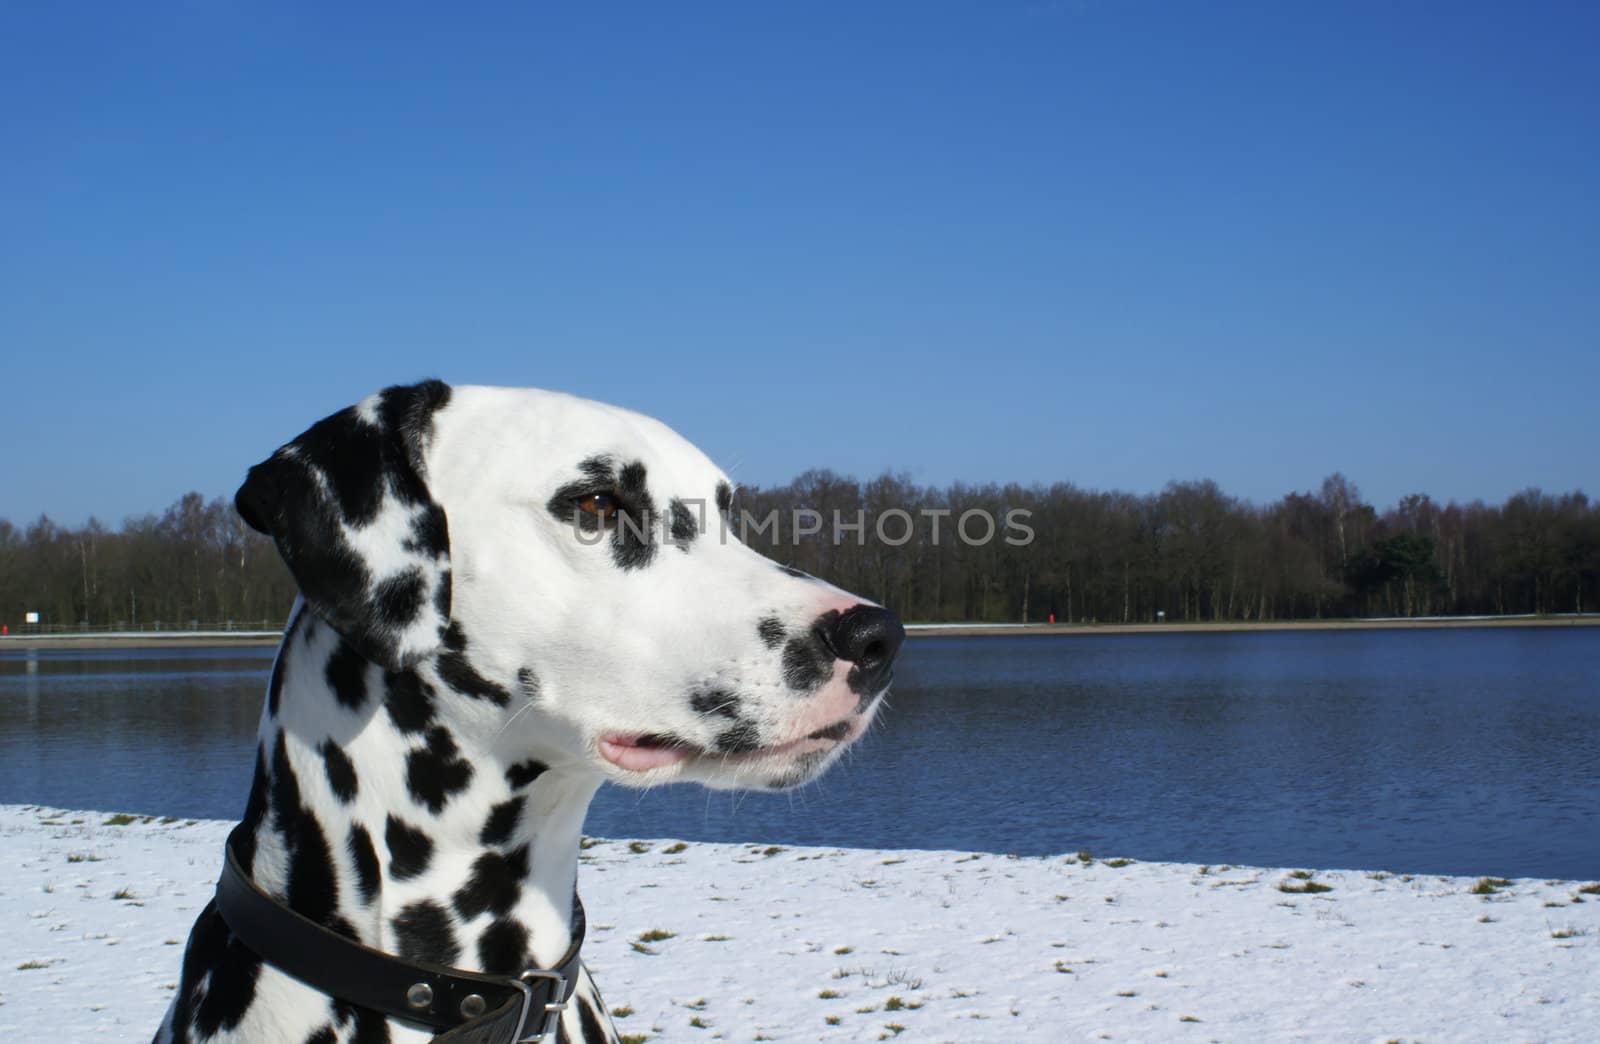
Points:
(962, 552)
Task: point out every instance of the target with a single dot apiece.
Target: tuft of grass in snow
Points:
(674, 849)
(1589, 889)
(1118, 864)
(890, 1030)
(590, 842)
(634, 1038)
(655, 935)
(82, 857)
(621, 1012)
(1568, 933)
(715, 938)
(772, 850)
(123, 893)
(121, 819)
(1488, 886)
(1187, 1018)
(832, 1020)
(842, 950)
(1084, 857)
(1303, 887)
(32, 965)
(638, 847)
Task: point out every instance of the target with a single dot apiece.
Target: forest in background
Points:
(1191, 552)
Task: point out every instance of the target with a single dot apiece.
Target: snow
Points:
(808, 944)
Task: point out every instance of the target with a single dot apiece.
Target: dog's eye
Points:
(600, 505)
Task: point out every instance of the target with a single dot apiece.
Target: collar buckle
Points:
(550, 1017)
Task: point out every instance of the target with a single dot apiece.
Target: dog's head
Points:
(568, 570)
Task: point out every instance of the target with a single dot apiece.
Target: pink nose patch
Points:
(626, 753)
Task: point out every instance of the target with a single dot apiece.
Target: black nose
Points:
(868, 637)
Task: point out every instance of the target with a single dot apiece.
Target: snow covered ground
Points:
(748, 942)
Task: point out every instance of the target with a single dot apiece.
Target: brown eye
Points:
(600, 505)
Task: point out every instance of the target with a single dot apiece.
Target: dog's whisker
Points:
(525, 708)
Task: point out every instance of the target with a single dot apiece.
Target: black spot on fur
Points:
(365, 857)
(502, 822)
(410, 850)
(313, 890)
(683, 529)
(594, 1031)
(430, 534)
(771, 631)
(346, 675)
(631, 546)
(807, 664)
(399, 598)
(275, 684)
(724, 497)
(523, 773)
(324, 1035)
(715, 702)
(231, 988)
(495, 884)
(598, 469)
(341, 773)
(528, 683)
(409, 701)
(423, 933)
(503, 947)
(255, 813)
(460, 675)
(436, 772)
(371, 1026)
(740, 739)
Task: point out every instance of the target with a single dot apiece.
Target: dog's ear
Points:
(348, 505)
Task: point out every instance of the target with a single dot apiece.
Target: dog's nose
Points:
(868, 637)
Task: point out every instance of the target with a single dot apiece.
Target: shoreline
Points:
(1419, 623)
(260, 639)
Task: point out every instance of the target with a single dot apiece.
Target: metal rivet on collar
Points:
(472, 1005)
(419, 996)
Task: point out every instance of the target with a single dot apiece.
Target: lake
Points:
(1444, 751)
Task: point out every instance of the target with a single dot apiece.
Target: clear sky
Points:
(1114, 242)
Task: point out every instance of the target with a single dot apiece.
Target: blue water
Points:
(1452, 751)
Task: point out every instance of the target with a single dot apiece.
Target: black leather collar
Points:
(461, 1007)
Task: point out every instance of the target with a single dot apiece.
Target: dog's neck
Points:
(385, 805)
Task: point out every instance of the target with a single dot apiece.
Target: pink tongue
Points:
(640, 759)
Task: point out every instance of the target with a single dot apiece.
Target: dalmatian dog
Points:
(507, 597)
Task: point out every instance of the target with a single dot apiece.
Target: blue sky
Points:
(1114, 243)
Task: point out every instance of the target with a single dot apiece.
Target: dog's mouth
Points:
(647, 751)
